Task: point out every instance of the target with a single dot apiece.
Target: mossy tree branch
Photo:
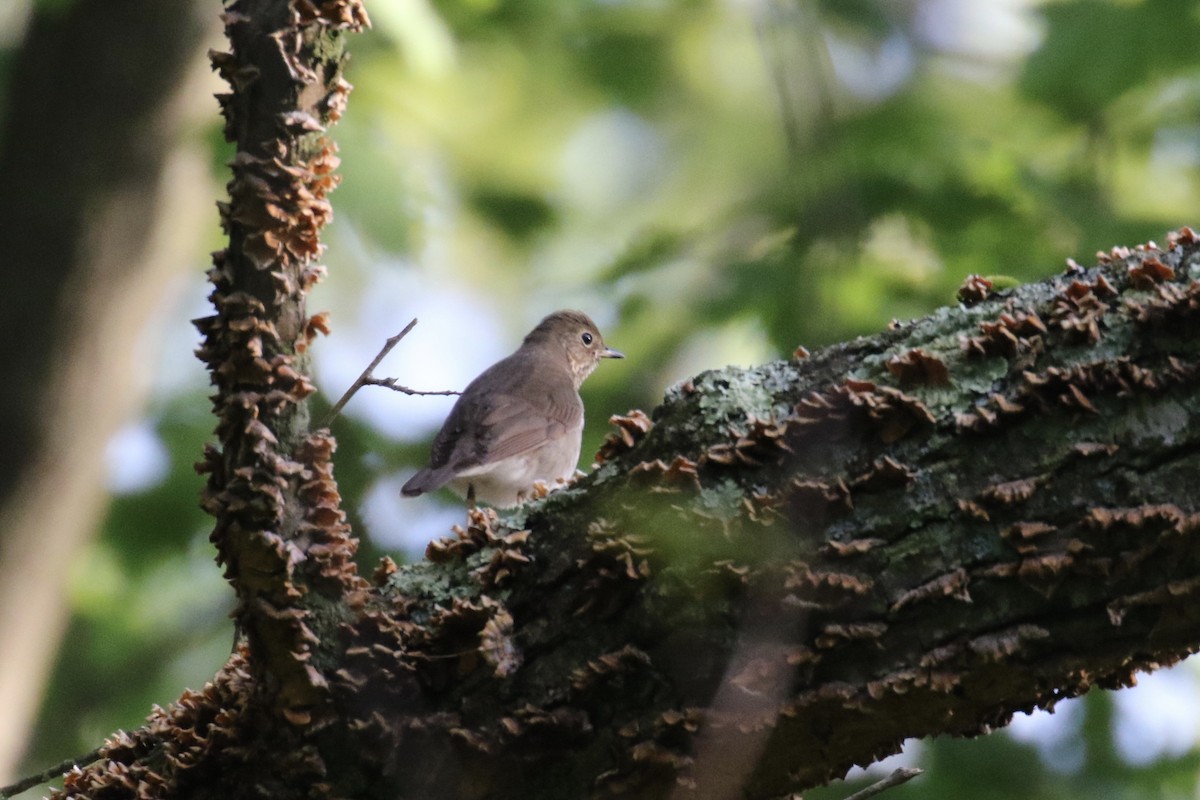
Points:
(800, 565)
(786, 571)
(783, 571)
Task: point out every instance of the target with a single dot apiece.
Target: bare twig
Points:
(899, 776)
(391, 384)
(367, 379)
(58, 770)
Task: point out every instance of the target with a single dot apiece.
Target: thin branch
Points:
(390, 383)
(899, 776)
(367, 379)
(12, 790)
(366, 373)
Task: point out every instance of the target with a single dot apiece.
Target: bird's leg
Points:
(471, 496)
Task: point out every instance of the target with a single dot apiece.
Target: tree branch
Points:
(782, 572)
(899, 776)
(49, 774)
(367, 379)
(802, 564)
(785, 571)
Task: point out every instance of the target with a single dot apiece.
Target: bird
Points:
(521, 420)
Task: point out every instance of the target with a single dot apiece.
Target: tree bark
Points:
(803, 564)
(781, 572)
(792, 570)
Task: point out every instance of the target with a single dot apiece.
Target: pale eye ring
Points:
(586, 337)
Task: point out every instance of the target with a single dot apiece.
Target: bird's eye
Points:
(586, 337)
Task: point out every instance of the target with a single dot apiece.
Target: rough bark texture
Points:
(280, 530)
(782, 572)
(791, 570)
(802, 564)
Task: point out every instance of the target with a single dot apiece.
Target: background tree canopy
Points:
(692, 173)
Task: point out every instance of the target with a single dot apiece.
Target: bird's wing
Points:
(514, 425)
(517, 415)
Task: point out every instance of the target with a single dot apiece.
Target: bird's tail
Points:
(427, 480)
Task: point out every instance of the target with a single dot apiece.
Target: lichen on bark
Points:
(806, 562)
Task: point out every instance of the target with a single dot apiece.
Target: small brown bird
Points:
(521, 420)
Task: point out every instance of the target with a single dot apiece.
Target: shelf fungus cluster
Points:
(869, 546)
(204, 736)
(280, 531)
(816, 582)
(902, 552)
(630, 429)
(1150, 302)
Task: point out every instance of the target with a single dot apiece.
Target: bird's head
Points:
(574, 335)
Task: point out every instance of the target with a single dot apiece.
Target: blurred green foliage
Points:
(725, 181)
(1000, 768)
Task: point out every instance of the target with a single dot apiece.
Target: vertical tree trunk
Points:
(103, 199)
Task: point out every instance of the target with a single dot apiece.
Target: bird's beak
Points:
(610, 353)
